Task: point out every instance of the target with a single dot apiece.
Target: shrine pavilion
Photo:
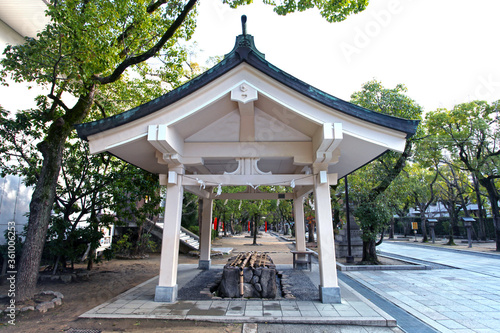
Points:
(246, 122)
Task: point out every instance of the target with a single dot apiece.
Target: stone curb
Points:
(362, 321)
(342, 267)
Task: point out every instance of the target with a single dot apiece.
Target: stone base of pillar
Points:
(204, 264)
(330, 295)
(166, 294)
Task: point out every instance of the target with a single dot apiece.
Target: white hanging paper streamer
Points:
(292, 183)
(278, 203)
(201, 182)
(225, 202)
(260, 204)
(239, 207)
(311, 203)
(219, 189)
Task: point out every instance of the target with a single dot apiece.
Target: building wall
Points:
(14, 195)
(14, 204)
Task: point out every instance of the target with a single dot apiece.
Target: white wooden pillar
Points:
(206, 234)
(329, 290)
(300, 229)
(166, 291)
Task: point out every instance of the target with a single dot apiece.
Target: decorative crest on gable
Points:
(248, 167)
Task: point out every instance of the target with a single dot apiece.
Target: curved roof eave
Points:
(245, 51)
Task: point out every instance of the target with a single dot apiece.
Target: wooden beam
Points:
(247, 122)
(325, 141)
(301, 151)
(255, 180)
(197, 191)
(303, 191)
(165, 139)
(252, 196)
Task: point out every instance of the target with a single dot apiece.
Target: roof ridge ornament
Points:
(244, 43)
(244, 25)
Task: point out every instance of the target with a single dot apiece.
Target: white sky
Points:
(446, 52)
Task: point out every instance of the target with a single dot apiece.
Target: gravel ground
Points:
(301, 286)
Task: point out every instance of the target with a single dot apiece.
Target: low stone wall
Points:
(76, 276)
(257, 283)
(41, 307)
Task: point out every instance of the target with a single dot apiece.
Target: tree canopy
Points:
(376, 177)
(469, 134)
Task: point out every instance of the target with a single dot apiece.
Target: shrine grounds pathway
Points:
(461, 295)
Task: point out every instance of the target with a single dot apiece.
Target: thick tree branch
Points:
(58, 101)
(155, 5)
(393, 173)
(152, 51)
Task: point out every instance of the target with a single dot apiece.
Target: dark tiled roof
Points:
(245, 51)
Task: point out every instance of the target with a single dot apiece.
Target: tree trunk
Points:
(482, 228)
(405, 227)
(451, 239)
(139, 246)
(391, 229)
(370, 253)
(41, 204)
(224, 224)
(43, 196)
(95, 227)
(493, 196)
(423, 225)
(310, 226)
(254, 219)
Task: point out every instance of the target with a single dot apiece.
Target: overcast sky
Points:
(446, 52)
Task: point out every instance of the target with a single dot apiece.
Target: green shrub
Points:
(194, 229)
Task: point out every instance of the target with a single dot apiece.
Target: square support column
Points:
(206, 234)
(166, 291)
(300, 229)
(329, 290)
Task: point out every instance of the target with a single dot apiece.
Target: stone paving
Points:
(138, 302)
(465, 298)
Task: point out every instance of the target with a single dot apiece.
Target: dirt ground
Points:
(107, 280)
(111, 278)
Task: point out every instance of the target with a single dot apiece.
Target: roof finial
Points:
(244, 24)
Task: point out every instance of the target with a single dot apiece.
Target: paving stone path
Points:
(465, 298)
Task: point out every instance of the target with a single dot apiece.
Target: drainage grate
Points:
(82, 330)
